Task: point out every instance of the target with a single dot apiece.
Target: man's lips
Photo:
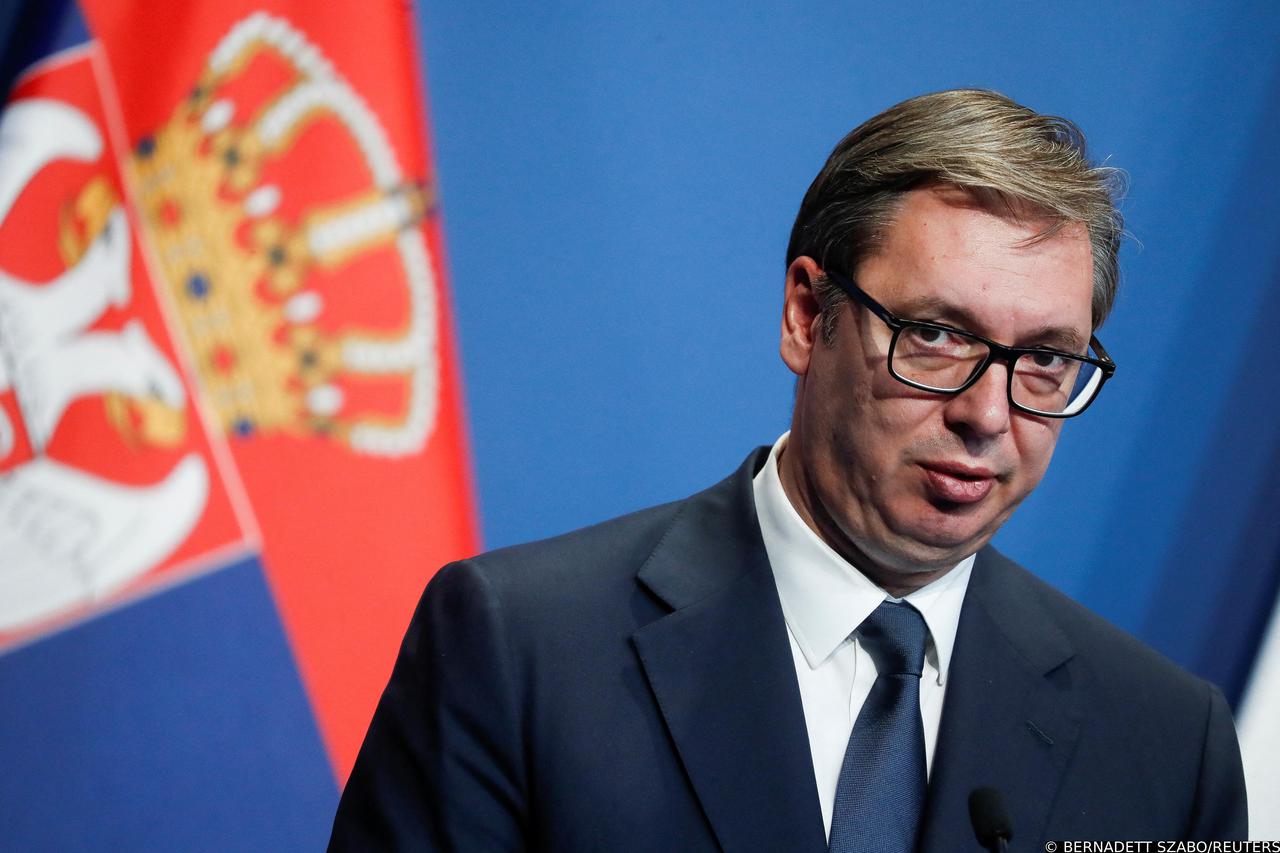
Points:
(955, 482)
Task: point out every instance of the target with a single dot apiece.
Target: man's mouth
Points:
(956, 483)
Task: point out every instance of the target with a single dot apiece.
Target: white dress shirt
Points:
(824, 599)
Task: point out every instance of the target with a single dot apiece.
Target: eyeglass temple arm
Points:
(1096, 344)
(850, 288)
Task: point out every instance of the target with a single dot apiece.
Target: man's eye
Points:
(930, 336)
(935, 338)
(1048, 361)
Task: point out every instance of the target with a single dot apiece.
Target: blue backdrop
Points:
(618, 185)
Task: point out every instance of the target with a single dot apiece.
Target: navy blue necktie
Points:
(880, 796)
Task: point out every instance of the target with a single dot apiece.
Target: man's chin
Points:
(934, 543)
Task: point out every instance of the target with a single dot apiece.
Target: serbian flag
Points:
(231, 433)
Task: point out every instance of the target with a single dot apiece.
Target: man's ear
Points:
(801, 317)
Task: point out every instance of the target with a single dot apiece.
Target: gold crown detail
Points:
(291, 246)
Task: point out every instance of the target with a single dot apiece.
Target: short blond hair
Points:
(1008, 156)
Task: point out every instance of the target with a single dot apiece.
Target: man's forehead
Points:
(949, 254)
(937, 208)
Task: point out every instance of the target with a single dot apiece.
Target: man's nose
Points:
(982, 410)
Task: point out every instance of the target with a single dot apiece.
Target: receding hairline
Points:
(1010, 208)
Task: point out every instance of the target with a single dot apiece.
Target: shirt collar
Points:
(824, 597)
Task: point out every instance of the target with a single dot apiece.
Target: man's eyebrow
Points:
(1057, 337)
(937, 310)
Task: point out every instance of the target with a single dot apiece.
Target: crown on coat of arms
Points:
(290, 242)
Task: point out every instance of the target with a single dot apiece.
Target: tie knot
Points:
(894, 635)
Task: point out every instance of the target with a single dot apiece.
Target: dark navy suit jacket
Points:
(630, 687)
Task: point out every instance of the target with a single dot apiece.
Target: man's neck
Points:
(802, 497)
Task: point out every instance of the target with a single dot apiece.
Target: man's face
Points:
(902, 481)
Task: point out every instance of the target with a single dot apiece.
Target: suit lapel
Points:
(1011, 715)
(720, 667)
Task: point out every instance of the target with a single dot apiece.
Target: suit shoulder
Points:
(1111, 651)
(599, 557)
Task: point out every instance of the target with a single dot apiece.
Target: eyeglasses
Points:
(936, 357)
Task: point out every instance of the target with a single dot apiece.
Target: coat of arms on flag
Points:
(109, 480)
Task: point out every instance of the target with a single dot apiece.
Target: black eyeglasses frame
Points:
(996, 351)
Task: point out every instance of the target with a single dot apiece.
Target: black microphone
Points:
(990, 819)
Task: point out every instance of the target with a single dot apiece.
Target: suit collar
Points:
(690, 562)
(721, 670)
(1012, 715)
(1011, 597)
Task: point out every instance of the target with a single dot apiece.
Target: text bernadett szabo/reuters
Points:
(1162, 846)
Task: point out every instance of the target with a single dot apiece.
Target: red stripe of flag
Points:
(280, 177)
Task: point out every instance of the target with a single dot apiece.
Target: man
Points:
(822, 652)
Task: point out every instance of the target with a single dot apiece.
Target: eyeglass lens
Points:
(945, 361)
